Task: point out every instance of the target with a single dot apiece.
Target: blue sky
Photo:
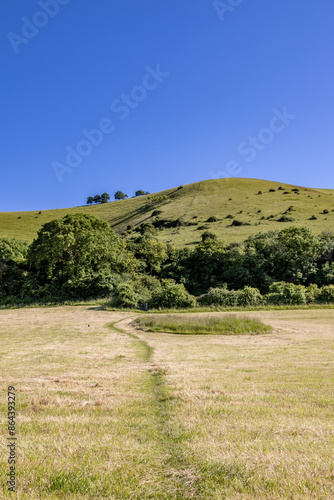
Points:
(182, 91)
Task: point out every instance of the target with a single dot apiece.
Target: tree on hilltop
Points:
(105, 197)
(120, 196)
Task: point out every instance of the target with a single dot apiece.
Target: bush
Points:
(272, 190)
(127, 297)
(325, 211)
(208, 235)
(155, 213)
(284, 218)
(249, 297)
(286, 293)
(239, 223)
(13, 250)
(220, 297)
(147, 227)
(213, 218)
(136, 292)
(174, 296)
(312, 293)
(326, 293)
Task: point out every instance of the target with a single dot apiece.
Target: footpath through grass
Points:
(200, 325)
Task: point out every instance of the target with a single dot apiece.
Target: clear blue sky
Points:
(223, 70)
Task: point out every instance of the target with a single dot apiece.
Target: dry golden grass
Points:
(103, 415)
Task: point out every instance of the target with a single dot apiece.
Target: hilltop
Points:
(258, 205)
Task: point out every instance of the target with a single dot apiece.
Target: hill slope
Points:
(194, 204)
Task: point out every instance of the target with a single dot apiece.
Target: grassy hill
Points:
(228, 200)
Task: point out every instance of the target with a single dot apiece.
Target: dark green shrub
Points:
(208, 235)
(286, 293)
(312, 293)
(239, 223)
(126, 296)
(174, 296)
(13, 249)
(325, 211)
(155, 213)
(249, 296)
(220, 297)
(272, 190)
(284, 218)
(146, 227)
(213, 218)
(326, 293)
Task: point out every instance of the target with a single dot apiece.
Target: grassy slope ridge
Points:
(196, 203)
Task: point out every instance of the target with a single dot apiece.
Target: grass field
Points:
(196, 203)
(105, 410)
(188, 324)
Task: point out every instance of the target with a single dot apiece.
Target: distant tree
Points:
(120, 196)
(105, 197)
(139, 193)
(90, 200)
(147, 192)
(97, 198)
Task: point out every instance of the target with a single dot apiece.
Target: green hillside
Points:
(194, 204)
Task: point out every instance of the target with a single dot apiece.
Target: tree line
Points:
(80, 257)
(105, 197)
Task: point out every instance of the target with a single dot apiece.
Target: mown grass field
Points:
(106, 410)
(196, 203)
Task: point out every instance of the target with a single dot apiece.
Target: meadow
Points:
(107, 410)
(225, 200)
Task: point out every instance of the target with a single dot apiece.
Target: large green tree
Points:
(76, 256)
